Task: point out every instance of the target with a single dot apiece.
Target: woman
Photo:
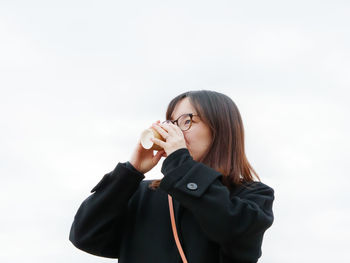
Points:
(221, 213)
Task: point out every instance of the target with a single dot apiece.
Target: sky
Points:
(80, 80)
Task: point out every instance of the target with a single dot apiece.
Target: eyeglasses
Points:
(184, 121)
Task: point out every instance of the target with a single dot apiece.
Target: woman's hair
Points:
(226, 153)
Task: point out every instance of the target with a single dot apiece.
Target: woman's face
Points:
(198, 137)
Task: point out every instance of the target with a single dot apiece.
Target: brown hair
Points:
(226, 153)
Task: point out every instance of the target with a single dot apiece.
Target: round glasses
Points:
(184, 122)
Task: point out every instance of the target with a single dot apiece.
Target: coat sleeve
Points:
(99, 222)
(236, 222)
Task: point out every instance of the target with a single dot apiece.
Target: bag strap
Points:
(177, 241)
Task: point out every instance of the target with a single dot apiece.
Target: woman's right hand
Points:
(144, 160)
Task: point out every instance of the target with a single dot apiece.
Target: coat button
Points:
(192, 186)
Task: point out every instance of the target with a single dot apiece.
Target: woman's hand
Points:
(144, 160)
(174, 138)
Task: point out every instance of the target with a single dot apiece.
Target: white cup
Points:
(146, 142)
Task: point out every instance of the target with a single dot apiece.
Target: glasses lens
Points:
(185, 122)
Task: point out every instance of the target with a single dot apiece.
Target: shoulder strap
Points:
(177, 241)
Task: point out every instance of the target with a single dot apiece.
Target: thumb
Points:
(157, 157)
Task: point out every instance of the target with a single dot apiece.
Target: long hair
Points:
(226, 153)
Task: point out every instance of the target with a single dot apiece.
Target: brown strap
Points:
(177, 241)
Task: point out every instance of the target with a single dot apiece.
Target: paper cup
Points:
(146, 142)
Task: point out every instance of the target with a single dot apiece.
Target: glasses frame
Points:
(177, 120)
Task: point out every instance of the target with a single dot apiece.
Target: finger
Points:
(177, 130)
(157, 122)
(161, 131)
(169, 127)
(139, 147)
(158, 142)
(159, 155)
(174, 129)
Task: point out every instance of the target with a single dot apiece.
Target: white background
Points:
(80, 80)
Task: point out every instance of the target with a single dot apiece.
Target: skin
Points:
(197, 139)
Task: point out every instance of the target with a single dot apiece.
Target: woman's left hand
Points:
(174, 138)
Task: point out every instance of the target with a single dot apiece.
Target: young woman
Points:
(221, 212)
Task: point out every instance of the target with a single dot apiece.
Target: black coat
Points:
(125, 219)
